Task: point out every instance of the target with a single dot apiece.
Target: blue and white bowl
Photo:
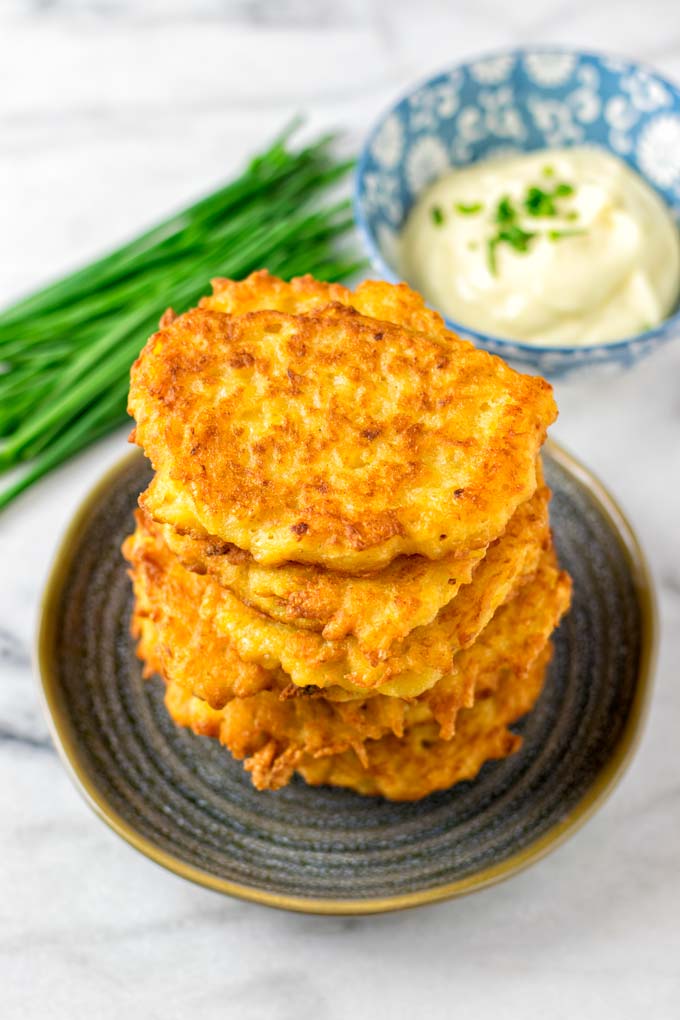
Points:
(518, 101)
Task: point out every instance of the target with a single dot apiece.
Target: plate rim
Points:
(597, 793)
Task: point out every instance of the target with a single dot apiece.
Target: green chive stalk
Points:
(66, 350)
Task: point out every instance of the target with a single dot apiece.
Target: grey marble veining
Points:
(110, 114)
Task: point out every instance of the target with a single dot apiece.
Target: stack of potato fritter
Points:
(343, 566)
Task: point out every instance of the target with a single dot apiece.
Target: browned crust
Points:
(255, 717)
(421, 762)
(370, 439)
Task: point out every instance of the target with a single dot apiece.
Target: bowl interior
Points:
(514, 101)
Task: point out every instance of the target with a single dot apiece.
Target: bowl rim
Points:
(663, 331)
(597, 793)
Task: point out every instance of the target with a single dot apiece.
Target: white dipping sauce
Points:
(563, 246)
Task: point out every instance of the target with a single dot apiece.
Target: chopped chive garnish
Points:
(437, 215)
(505, 211)
(513, 235)
(491, 255)
(539, 203)
(469, 210)
(516, 237)
(557, 235)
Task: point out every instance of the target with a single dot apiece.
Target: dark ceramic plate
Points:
(185, 803)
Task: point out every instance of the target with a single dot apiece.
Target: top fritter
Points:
(333, 436)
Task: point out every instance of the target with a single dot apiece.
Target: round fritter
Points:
(172, 639)
(507, 646)
(261, 291)
(404, 766)
(420, 762)
(274, 732)
(377, 609)
(179, 644)
(179, 641)
(330, 437)
(414, 663)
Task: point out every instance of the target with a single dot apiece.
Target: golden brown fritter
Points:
(377, 609)
(412, 664)
(357, 496)
(420, 762)
(330, 437)
(259, 720)
(508, 646)
(176, 639)
(172, 638)
(395, 303)
(506, 651)
(275, 734)
(204, 670)
(405, 767)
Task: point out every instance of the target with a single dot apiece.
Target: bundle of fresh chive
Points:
(66, 351)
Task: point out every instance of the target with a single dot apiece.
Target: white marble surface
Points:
(110, 114)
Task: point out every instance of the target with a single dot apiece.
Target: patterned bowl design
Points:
(182, 800)
(519, 101)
